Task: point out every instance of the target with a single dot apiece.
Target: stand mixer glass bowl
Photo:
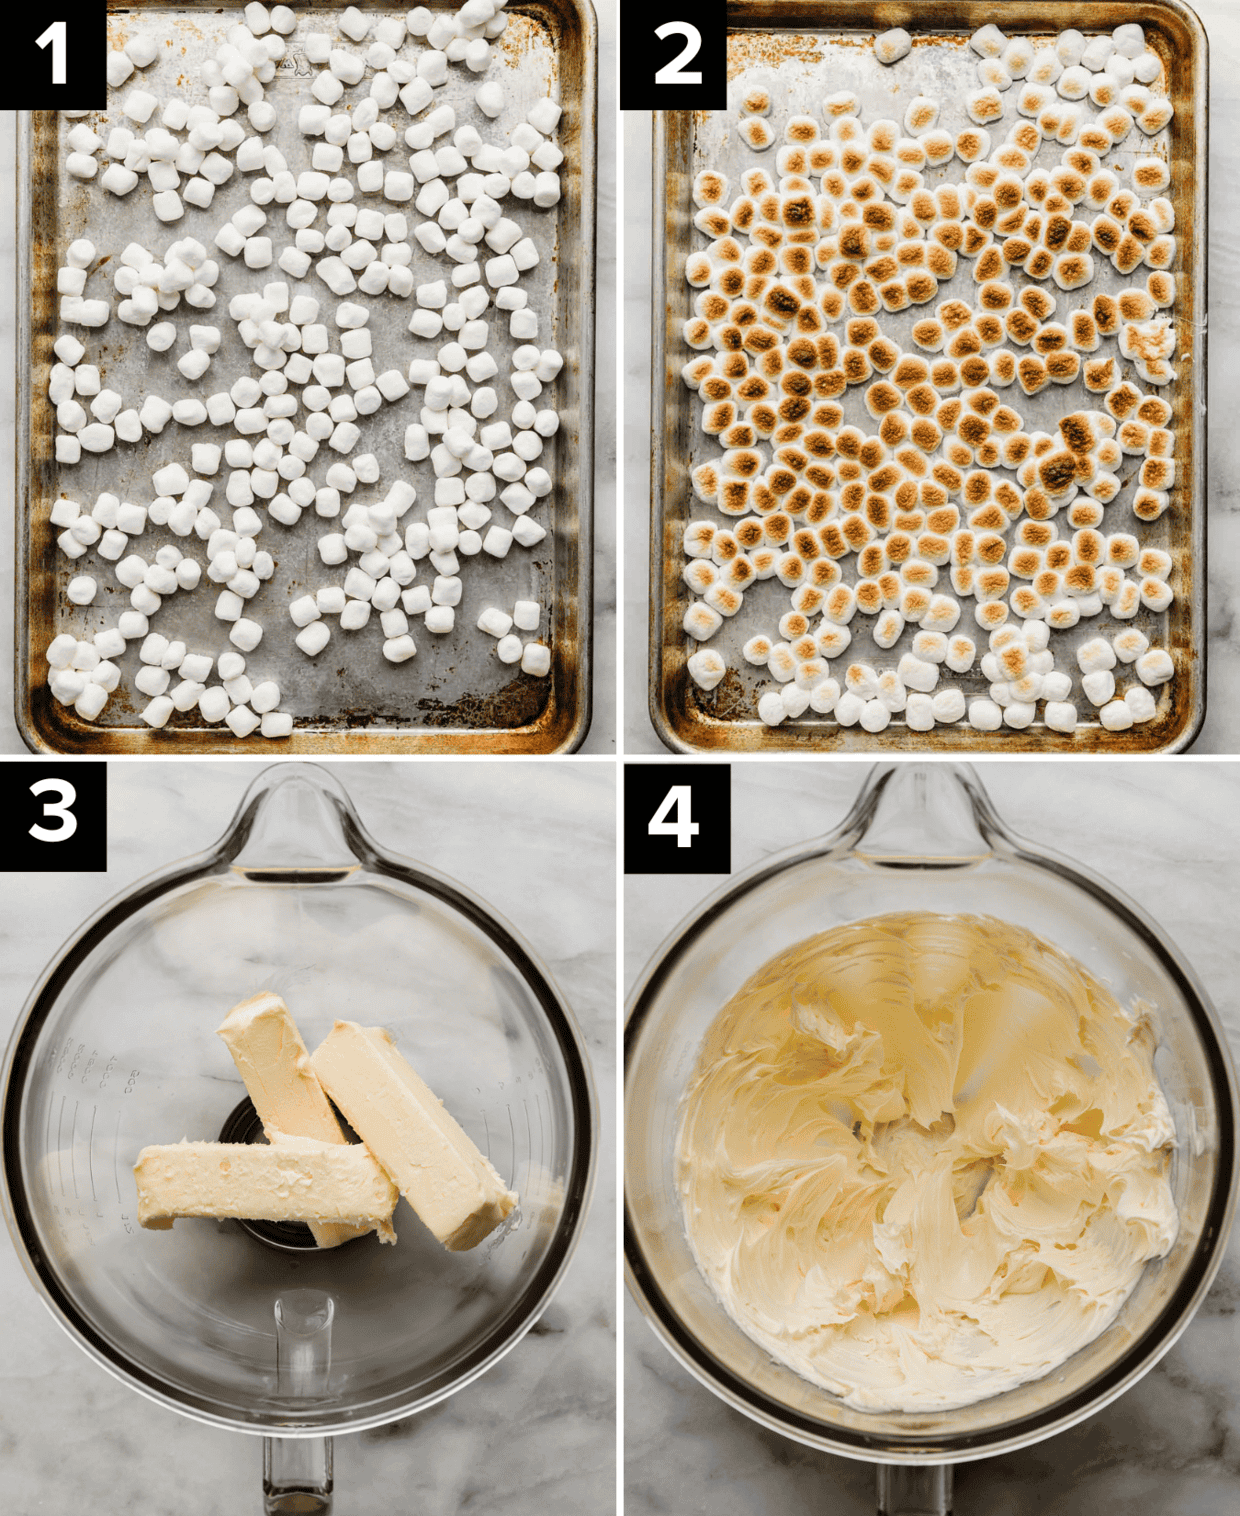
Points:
(919, 838)
(117, 1049)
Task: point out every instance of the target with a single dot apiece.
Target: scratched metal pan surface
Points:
(455, 695)
(802, 53)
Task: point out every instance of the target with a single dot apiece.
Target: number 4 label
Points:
(684, 828)
(677, 818)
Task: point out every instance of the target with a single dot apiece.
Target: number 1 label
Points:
(55, 36)
(61, 65)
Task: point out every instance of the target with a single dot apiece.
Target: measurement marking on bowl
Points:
(60, 1168)
(73, 1151)
(47, 1141)
(116, 1174)
(90, 1154)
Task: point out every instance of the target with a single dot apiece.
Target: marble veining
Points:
(536, 1433)
(1221, 730)
(1168, 833)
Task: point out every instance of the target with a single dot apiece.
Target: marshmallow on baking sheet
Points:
(919, 713)
(1116, 716)
(706, 668)
(891, 46)
(984, 715)
(1154, 667)
(1096, 655)
(948, 704)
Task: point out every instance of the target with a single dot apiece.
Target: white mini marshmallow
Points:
(1099, 686)
(1060, 715)
(1116, 716)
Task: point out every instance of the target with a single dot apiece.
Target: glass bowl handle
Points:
(906, 1490)
(922, 814)
(297, 1471)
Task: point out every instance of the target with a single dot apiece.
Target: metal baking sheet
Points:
(802, 53)
(455, 695)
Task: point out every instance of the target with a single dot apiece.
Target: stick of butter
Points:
(271, 1057)
(432, 1161)
(293, 1179)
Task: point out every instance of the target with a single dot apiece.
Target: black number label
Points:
(671, 73)
(677, 818)
(686, 68)
(51, 75)
(61, 815)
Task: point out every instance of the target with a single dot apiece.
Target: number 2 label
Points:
(672, 73)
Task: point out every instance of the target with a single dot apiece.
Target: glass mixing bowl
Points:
(116, 1049)
(920, 837)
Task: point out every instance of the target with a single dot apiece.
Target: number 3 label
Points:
(59, 809)
(671, 73)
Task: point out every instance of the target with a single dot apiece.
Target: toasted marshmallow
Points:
(1154, 667)
(891, 46)
(701, 622)
(1095, 655)
(860, 679)
(1156, 594)
(823, 696)
(759, 136)
(706, 668)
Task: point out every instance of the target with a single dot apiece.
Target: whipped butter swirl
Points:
(923, 1159)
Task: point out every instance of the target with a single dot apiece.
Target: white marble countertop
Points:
(602, 735)
(1221, 731)
(533, 1436)
(1168, 831)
